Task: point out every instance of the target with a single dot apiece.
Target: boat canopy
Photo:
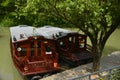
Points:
(22, 32)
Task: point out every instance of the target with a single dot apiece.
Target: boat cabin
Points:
(33, 53)
(71, 46)
(73, 49)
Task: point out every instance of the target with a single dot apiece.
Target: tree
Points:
(96, 18)
(4, 8)
(34, 13)
(9, 12)
(7, 7)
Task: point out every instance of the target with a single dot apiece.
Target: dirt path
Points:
(106, 62)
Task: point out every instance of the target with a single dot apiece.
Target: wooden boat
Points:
(33, 52)
(37, 50)
(73, 48)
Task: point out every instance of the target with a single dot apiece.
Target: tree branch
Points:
(111, 30)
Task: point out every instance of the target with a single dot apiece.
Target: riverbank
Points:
(106, 62)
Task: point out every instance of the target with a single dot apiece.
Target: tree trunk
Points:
(97, 56)
(96, 62)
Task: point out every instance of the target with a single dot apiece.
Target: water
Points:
(7, 68)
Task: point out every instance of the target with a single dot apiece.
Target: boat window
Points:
(22, 36)
(74, 39)
(82, 45)
(70, 39)
(48, 49)
(22, 51)
(32, 48)
(39, 49)
(62, 44)
(81, 42)
(17, 45)
(14, 38)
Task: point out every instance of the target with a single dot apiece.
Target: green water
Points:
(9, 72)
(113, 43)
(7, 69)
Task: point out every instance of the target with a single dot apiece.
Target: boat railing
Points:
(18, 60)
(37, 66)
(37, 63)
(89, 48)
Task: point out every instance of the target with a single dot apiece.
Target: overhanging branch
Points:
(111, 30)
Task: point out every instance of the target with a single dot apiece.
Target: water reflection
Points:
(7, 69)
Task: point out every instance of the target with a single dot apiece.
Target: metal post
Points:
(89, 77)
(109, 74)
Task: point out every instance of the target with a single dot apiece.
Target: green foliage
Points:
(7, 22)
(35, 13)
(81, 13)
(6, 8)
(116, 75)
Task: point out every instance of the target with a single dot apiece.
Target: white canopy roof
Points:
(22, 32)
